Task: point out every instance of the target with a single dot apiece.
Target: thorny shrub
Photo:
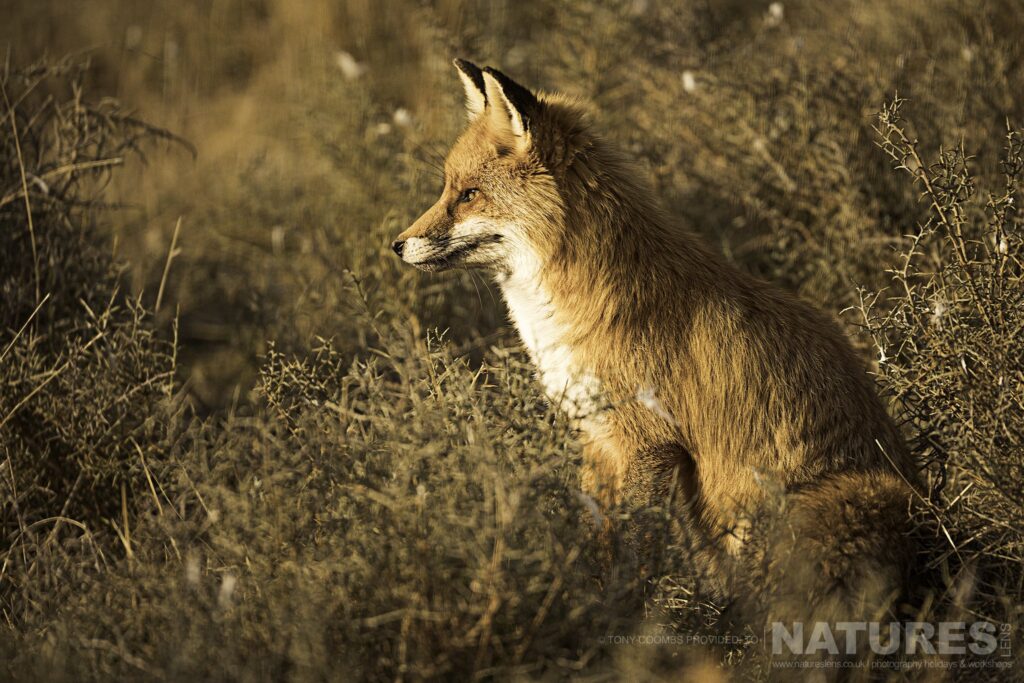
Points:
(948, 344)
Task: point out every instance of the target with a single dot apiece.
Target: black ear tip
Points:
(521, 96)
(471, 71)
(504, 80)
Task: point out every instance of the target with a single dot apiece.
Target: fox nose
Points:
(397, 246)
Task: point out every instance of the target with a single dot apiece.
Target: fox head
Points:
(500, 198)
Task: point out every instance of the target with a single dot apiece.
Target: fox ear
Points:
(473, 81)
(510, 104)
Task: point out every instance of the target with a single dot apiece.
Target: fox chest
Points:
(567, 383)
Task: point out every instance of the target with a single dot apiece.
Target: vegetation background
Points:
(241, 442)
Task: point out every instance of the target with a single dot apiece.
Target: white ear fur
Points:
(475, 100)
(503, 114)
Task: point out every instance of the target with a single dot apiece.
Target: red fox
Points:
(684, 375)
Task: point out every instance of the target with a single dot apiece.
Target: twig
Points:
(171, 253)
(24, 187)
(11, 344)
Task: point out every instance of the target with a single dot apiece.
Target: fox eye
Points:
(468, 195)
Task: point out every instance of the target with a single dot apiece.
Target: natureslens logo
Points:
(901, 646)
(979, 638)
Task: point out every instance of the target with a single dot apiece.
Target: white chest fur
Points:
(567, 384)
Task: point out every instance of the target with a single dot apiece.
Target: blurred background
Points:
(240, 441)
(319, 126)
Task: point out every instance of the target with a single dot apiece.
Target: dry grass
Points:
(286, 472)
